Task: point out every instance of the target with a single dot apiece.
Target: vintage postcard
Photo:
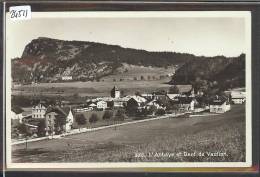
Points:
(128, 89)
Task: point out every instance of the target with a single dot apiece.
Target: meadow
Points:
(93, 88)
(223, 134)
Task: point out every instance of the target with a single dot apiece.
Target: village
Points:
(47, 120)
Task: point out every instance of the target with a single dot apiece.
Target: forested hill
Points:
(228, 72)
(47, 60)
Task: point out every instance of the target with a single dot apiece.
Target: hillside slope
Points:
(48, 60)
(226, 71)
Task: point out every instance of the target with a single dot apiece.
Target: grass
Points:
(92, 88)
(223, 133)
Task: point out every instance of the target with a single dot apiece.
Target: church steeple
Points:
(115, 92)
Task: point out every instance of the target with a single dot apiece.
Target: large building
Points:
(219, 105)
(39, 111)
(58, 119)
(115, 92)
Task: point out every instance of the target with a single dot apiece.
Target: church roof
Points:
(115, 89)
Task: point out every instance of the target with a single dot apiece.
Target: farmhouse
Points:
(219, 105)
(185, 103)
(136, 102)
(158, 104)
(58, 119)
(39, 110)
(16, 114)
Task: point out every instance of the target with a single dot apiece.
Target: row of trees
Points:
(108, 115)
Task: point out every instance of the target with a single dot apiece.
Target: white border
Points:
(151, 14)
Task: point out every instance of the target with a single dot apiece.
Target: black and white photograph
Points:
(128, 89)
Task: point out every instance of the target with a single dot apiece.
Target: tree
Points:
(152, 109)
(107, 115)
(93, 118)
(24, 129)
(174, 90)
(81, 120)
(41, 130)
(60, 121)
(160, 112)
(120, 115)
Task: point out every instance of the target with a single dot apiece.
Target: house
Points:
(120, 102)
(16, 114)
(58, 119)
(135, 103)
(101, 105)
(66, 78)
(148, 96)
(82, 109)
(115, 92)
(219, 105)
(190, 93)
(156, 103)
(39, 111)
(93, 105)
(238, 97)
(173, 96)
(185, 103)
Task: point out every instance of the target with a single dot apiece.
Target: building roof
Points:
(173, 96)
(17, 110)
(184, 100)
(92, 104)
(218, 100)
(114, 89)
(238, 95)
(41, 103)
(138, 99)
(59, 110)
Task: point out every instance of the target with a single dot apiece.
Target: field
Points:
(131, 72)
(92, 88)
(185, 139)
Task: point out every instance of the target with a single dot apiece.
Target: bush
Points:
(120, 115)
(80, 119)
(41, 131)
(160, 112)
(93, 118)
(107, 115)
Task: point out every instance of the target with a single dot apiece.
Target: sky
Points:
(196, 35)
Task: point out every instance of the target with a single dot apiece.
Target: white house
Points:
(173, 96)
(155, 103)
(39, 111)
(238, 97)
(69, 121)
(66, 78)
(101, 105)
(219, 105)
